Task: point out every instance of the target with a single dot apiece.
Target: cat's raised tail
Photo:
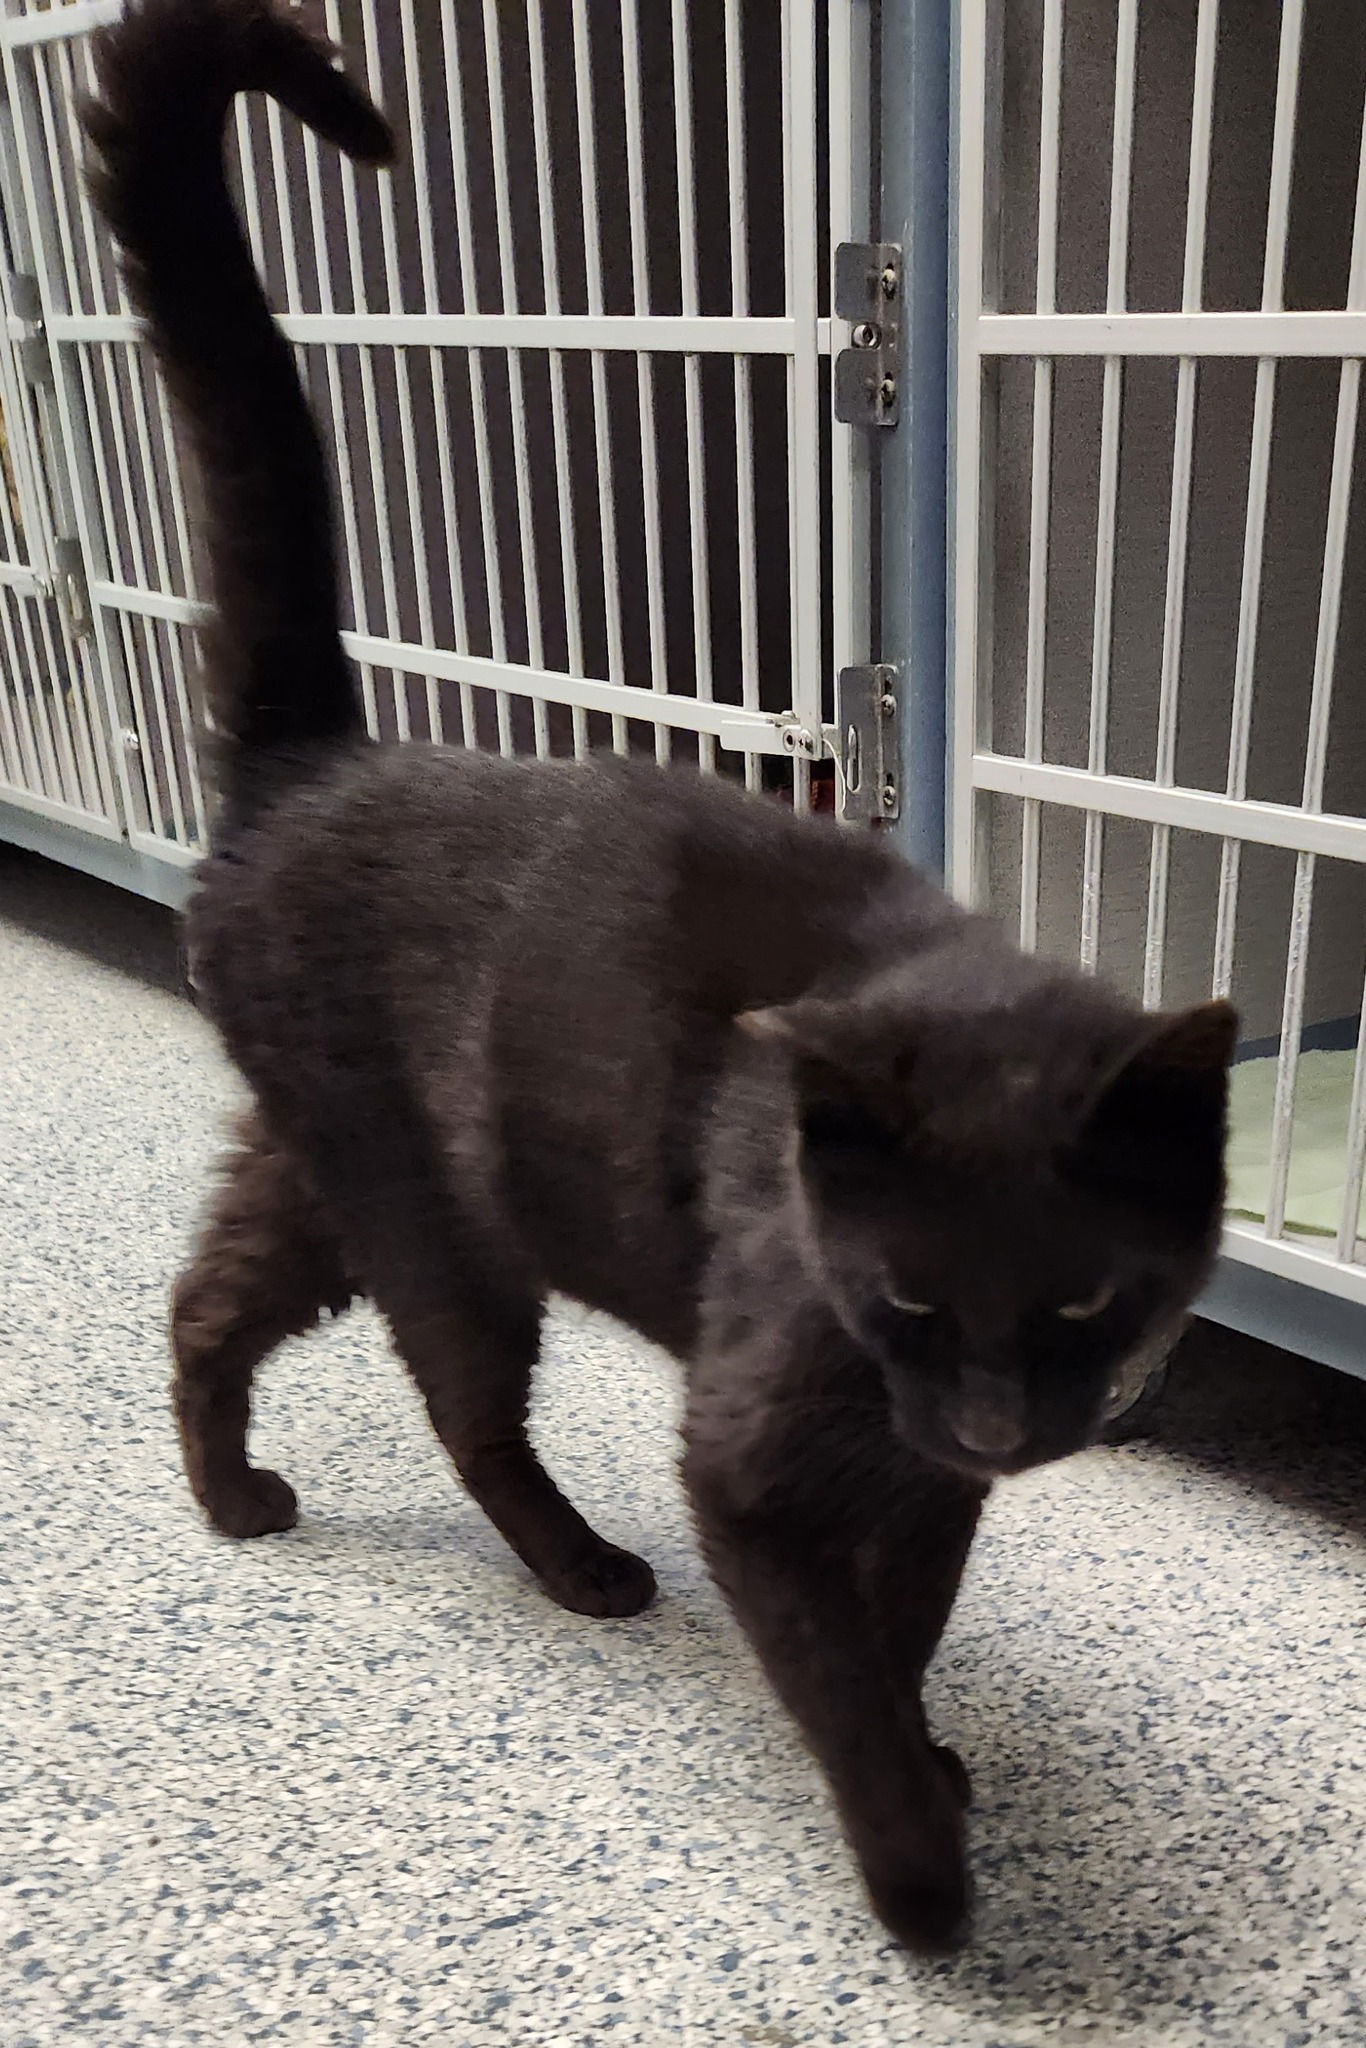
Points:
(280, 688)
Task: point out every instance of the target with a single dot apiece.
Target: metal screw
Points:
(886, 704)
(865, 335)
(888, 282)
(889, 796)
(886, 390)
(132, 744)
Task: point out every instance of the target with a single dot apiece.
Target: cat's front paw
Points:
(926, 1901)
(605, 1582)
(260, 1503)
(930, 1915)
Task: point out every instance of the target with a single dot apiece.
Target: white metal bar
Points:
(26, 582)
(469, 300)
(1293, 1259)
(29, 481)
(1258, 479)
(142, 430)
(1316, 743)
(403, 390)
(63, 659)
(1192, 810)
(62, 57)
(251, 190)
(60, 208)
(1178, 516)
(89, 823)
(374, 442)
(30, 227)
(686, 172)
(1281, 335)
(1102, 649)
(1287, 1058)
(427, 257)
(426, 242)
(744, 382)
(1050, 118)
(602, 439)
(1315, 746)
(1349, 1225)
(507, 268)
(155, 745)
(559, 410)
(28, 758)
(13, 556)
(1282, 155)
(20, 769)
(802, 254)
(53, 699)
(124, 514)
(645, 379)
(734, 726)
(657, 333)
(1040, 477)
(34, 708)
(337, 411)
(1245, 665)
(284, 211)
(76, 18)
(1041, 460)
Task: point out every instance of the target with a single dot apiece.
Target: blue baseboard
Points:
(1305, 1320)
(108, 860)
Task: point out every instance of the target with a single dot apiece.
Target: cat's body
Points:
(901, 1200)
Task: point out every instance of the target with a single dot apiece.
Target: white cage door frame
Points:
(1141, 372)
(573, 361)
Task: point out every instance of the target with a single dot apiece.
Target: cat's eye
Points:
(912, 1308)
(1082, 1311)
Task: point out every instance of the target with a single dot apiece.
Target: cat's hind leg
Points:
(471, 1346)
(264, 1269)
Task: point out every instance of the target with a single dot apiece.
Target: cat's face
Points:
(1009, 1216)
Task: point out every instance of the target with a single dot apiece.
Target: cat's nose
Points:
(987, 1415)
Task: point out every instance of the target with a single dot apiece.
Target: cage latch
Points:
(868, 296)
(866, 742)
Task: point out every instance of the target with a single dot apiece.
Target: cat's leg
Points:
(264, 1268)
(471, 1347)
(844, 1610)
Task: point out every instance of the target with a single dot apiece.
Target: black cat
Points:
(902, 1201)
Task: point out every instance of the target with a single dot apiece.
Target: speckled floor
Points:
(361, 1784)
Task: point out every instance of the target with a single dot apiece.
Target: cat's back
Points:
(447, 865)
(552, 957)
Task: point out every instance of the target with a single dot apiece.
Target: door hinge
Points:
(866, 742)
(868, 296)
(73, 589)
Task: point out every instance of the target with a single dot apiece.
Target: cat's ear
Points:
(1156, 1120)
(1185, 1054)
(1193, 1043)
(847, 1087)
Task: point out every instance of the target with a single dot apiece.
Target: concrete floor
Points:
(362, 1784)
